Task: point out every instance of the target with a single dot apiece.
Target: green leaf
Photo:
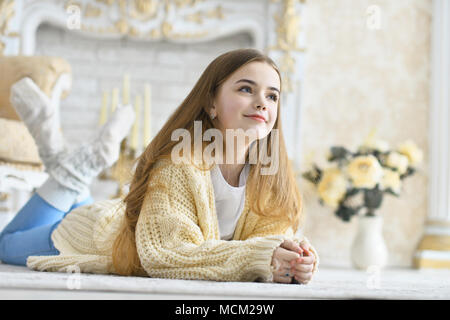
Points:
(391, 192)
(351, 192)
(338, 154)
(345, 213)
(314, 175)
(409, 172)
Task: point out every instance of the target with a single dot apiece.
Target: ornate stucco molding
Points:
(7, 13)
(287, 48)
(179, 21)
(288, 30)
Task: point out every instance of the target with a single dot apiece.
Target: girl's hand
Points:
(302, 267)
(283, 259)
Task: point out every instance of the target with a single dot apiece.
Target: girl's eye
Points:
(273, 97)
(246, 88)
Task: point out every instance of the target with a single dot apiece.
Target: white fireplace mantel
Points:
(56, 13)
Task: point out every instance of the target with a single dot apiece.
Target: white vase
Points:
(369, 248)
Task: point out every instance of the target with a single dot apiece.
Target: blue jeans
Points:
(29, 233)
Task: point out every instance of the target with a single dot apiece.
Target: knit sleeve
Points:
(266, 226)
(273, 225)
(171, 242)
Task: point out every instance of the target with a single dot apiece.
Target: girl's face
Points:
(252, 89)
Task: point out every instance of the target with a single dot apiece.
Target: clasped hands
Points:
(292, 261)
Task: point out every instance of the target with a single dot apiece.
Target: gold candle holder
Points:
(132, 146)
(121, 170)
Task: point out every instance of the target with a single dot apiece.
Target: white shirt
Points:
(229, 200)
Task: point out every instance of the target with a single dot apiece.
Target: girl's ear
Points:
(213, 112)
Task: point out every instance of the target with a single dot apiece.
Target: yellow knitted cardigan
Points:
(177, 234)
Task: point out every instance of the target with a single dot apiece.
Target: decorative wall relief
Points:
(288, 31)
(286, 46)
(179, 21)
(7, 12)
(147, 19)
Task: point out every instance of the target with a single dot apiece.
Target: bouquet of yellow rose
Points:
(358, 180)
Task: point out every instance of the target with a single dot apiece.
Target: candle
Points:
(115, 99)
(147, 112)
(135, 133)
(104, 110)
(126, 89)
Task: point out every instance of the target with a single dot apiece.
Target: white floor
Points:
(329, 283)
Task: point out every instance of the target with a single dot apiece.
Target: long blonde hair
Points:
(284, 201)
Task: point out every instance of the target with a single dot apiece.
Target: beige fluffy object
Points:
(16, 143)
(17, 147)
(43, 70)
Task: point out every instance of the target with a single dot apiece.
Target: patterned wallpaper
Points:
(367, 67)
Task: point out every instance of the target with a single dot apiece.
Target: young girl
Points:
(219, 220)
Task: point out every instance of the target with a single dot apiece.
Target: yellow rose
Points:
(397, 161)
(391, 179)
(332, 187)
(365, 171)
(410, 150)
